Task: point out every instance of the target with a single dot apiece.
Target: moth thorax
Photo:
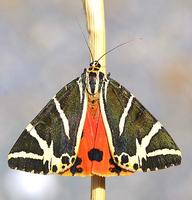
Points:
(92, 82)
(94, 78)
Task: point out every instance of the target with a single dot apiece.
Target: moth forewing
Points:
(50, 142)
(137, 140)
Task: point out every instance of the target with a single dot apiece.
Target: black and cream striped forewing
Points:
(50, 142)
(137, 140)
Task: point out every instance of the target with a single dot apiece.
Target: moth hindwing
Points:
(50, 142)
(137, 140)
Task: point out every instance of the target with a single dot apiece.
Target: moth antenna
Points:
(92, 58)
(119, 45)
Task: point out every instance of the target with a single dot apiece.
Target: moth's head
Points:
(94, 78)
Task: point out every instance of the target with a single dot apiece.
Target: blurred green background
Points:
(42, 49)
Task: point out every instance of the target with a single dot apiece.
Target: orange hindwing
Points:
(94, 157)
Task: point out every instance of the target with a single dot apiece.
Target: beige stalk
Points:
(94, 11)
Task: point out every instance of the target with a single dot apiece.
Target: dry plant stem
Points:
(98, 188)
(94, 11)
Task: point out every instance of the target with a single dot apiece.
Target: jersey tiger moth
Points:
(94, 125)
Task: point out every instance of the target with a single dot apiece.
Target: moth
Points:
(93, 125)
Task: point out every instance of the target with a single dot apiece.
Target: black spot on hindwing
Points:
(54, 168)
(136, 166)
(75, 169)
(124, 159)
(65, 160)
(115, 169)
(95, 154)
